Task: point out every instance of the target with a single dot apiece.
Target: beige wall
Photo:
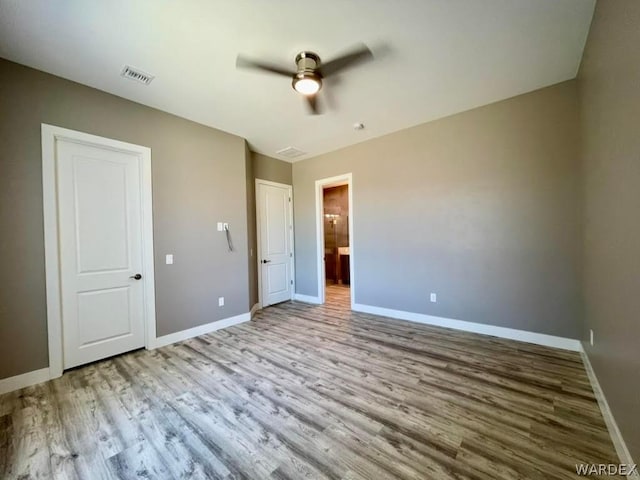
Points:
(482, 208)
(198, 178)
(609, 85)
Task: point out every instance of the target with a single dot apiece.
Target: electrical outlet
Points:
(433, 297)
(168, 259)
(591, 337)
(221, 301)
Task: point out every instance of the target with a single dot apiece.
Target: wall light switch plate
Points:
(220, 227)
(221, 301)
(168, 259)
(433, 297)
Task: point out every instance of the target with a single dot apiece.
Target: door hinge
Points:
(289, 199)
(291, 255)
(291, 282)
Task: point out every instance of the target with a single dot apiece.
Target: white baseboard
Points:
(307, 299)
(254, 309)
(502, 332)
(200, 330)
(612, 426)
(25, 380)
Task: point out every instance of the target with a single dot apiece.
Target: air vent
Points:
(137, 75)
(290, 152)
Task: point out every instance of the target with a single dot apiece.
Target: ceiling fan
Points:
(307, 79)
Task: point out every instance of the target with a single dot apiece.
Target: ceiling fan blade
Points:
(312, 103)
(353, 57)
(243, 62)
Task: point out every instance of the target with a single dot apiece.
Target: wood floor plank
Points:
(28, 451)
(6, 432)
(140, 461)
(194, 448)
(61, 456)
(312, 392)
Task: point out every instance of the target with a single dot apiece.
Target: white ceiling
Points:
(434, 57)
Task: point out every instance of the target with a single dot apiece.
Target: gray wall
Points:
(198, 179)
(251, 226)
(609, 85)
(272, 169)
(482, 208)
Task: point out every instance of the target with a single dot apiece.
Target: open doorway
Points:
(335, 241)
(336, 244)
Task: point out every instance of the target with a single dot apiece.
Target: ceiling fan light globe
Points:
(308, 85)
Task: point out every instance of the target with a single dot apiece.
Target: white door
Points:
(100, 238)
(275, 252)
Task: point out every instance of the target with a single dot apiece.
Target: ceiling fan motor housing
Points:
(307, 63)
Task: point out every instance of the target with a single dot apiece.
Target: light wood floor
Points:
(312, 392)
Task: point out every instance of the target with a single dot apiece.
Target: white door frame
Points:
(50, 135)
(344, 179)
(258, 238)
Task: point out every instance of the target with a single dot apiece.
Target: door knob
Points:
(137, 276)
(266, 261)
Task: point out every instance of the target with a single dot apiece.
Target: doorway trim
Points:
(259, 181)
(338, 180)
(50, 136)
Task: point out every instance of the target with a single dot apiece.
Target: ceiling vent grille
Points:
(137, 75)
(290, 152)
